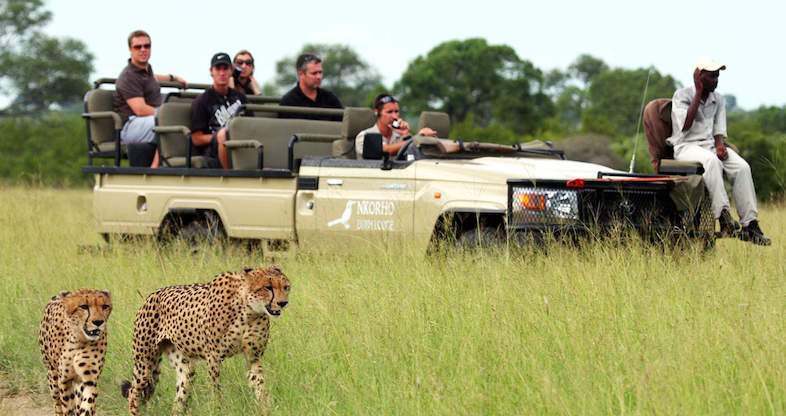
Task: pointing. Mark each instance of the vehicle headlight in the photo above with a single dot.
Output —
(544, 206)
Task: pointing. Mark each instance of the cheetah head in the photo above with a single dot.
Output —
(268, 290)
(88, 311)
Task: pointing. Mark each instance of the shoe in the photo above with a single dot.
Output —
(728, 226)
(754, 234)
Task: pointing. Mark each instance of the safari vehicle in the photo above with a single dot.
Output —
(297, 183)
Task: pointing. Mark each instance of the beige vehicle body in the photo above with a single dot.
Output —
(298, 182)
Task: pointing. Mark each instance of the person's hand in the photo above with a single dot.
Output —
(403, 128)
(720, 150)
(425, 131)
(697, 81)
(181, 80)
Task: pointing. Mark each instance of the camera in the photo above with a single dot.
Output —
(396, 124)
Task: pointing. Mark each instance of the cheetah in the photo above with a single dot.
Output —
(72, 337)
(210, 321)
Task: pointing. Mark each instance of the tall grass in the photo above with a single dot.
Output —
(597, 330)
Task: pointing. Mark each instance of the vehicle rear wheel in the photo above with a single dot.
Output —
(203, 228)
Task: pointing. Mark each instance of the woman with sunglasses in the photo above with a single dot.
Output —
(243, 76)
(394, 130)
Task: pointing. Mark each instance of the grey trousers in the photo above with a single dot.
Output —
(138, 130)
(734, 167)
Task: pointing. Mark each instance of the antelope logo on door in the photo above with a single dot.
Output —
(376, 210)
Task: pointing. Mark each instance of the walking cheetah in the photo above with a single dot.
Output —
(72, 337)
(210, 321)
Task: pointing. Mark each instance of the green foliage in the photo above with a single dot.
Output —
(760, 137)
(47, 150)
(61, 77)
(605, 329)
(19, 19)
(472, 77)
(345, 73)
(587, 67)
(614, 99)
(592, 148)
(40, 71)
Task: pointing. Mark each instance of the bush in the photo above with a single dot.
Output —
(593, 148)
(48, 150)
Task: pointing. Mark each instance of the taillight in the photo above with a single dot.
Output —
(575, 183)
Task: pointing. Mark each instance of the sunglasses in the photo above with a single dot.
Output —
(249, 62)
(387, 99)
(142, 46)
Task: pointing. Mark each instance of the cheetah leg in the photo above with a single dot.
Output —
(54, 390)
(256, 379)
(142, 379)
(67, 389)
(214, 369)
(185, 375)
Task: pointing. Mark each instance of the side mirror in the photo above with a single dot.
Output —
(372, 146)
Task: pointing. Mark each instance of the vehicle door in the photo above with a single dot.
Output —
(358, 200)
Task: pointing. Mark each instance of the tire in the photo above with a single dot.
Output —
(486, 237)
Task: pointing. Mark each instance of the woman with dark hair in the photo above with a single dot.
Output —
(394, 130)
(243, 75)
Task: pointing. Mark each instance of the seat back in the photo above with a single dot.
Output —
(657, 128)
(435, 120)
(100, 130)
(274, 135)
(173, 145)
(356, 119)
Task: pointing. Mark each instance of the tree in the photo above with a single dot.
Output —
(346, 74)
(37, 70)
(471, 77)
(614, 99)
(586, 67)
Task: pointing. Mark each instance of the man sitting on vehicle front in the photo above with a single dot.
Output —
(138, 93)
(698, 119)
(212, 110)
(394, 130)
(307, 91)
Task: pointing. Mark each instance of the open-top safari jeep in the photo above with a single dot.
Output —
(298, 182)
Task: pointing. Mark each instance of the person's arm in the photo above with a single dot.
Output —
(695, 102)
(200, 119)
(140, 108)
(252, 82)
(392, 149)
(171, 78)
(719, 129)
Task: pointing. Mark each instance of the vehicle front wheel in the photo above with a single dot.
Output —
(484, 237)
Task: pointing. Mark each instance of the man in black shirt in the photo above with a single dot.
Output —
(212, 110)
(307, 92)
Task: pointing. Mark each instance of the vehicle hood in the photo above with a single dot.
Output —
(496, 169)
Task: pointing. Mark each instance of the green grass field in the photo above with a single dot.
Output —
(600, 330)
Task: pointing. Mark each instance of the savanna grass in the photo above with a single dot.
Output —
(596, 329)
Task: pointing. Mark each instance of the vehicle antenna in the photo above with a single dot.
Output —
(638, 124)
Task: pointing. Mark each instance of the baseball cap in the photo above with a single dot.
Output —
(220, 58)
(708, 64)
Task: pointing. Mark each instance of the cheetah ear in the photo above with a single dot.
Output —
(247, 270)
(275, 268)
(61, 295)
(106, 293)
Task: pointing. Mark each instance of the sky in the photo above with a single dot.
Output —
(668, 34)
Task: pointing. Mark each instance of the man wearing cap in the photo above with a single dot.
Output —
(307, 91)
(138, 94)
(212, 110)
(698, 120)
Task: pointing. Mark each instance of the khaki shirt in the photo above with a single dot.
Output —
(710, 118)
(393, 139)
